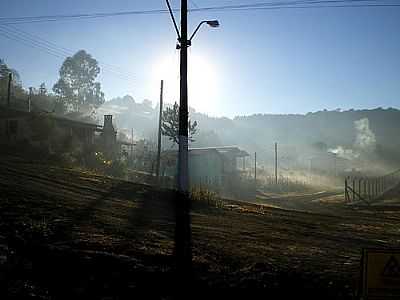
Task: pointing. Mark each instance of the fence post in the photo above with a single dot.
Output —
(365, 188)
(373, 188)
(345, 190)
(384, 183)
(369, 189)
(354, 189)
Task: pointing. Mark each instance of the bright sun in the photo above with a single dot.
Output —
(202, 81)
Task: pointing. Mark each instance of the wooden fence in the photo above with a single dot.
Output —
(367, 189)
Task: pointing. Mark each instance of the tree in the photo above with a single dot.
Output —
(16, 81)
(42, 89)
(170, 124)
(76, 87)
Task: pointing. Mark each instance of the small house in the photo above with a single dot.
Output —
(211, 167)
(54, 132)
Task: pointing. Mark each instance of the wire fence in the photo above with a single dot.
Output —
(367, 189)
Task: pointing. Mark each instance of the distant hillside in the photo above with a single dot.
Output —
(352, 130)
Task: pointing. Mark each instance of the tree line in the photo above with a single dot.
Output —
(75, 91)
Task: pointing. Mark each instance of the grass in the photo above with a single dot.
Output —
(79, 235)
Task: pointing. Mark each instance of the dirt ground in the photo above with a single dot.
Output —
(69, 234)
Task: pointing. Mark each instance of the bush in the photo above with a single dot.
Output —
(100, 164)
(205, 196)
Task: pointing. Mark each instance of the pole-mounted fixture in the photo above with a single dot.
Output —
(211, 23)
(183, 44)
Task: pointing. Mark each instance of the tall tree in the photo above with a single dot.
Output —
(170, 124)
(76, 88)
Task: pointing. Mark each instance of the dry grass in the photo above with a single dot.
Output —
(101, 226)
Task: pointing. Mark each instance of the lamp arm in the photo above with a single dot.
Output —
(197, 29)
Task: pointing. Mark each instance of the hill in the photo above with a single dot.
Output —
(375, 134)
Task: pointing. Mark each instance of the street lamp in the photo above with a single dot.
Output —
(182, 249)
(212, 23)
(183, 44)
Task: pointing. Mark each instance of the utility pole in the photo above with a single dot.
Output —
(255, 169)
(182, 249)
(132, 148)
(159, 132)
(30, 98)
(276, 163)
(9, 89)
(183, 44)
(183, 180)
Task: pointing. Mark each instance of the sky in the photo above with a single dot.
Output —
(271, 61)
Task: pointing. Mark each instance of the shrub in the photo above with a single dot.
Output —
(205, 196)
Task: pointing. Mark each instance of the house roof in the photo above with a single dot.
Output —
(227, 150)
(224, 150)
(6, 112)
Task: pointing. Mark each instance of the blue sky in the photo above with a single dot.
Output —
(279, 61)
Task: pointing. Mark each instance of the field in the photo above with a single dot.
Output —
(67, 234)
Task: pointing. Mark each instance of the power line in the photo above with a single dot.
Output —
(51, 48)
(310, 7)
(66, 51)
(295, 4)
(309, 4)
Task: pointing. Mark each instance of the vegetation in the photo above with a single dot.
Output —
(201, 195)
(170, 124)
(77, 88)
(16, 85)
(97, 162)
(40, 99)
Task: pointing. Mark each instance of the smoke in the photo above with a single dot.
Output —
(365, 139)
(345, 153)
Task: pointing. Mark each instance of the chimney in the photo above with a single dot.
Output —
(108, 122)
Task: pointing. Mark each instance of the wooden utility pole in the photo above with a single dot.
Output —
(9, 89)
(255, 169)
(276, 163)
(131, 147)
(30, 98)
(183, 171)
(182, 250)
(159, 131)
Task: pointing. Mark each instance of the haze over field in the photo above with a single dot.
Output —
(349, 134)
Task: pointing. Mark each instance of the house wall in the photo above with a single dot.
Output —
(206, 169)
(14, 129)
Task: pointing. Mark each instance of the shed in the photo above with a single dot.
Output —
(211, 166)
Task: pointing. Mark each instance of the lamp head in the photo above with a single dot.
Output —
(213, 23)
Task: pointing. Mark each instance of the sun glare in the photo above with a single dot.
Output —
(202, 81)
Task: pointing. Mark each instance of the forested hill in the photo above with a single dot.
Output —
(379, 128)
(331, 127)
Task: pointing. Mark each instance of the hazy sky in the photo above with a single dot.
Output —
(274, 61)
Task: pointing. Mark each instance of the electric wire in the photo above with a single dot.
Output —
(50, 48)
(65, 51)
(276, 5)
